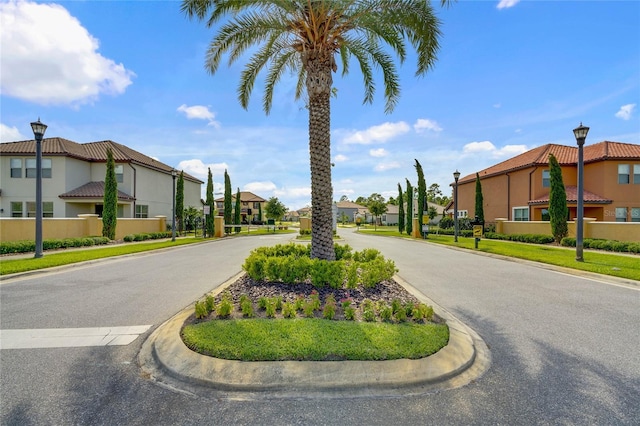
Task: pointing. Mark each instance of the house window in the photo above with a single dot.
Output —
(462, 213)
(635, 214)
(16, 209)
(257, 205)
(621, 214)
(47, 209)
(16, 168)
(142, 211)
(521, 214)
(31, 168)
(636, 173)
(623, 173)
(546, 179)
(119, 169)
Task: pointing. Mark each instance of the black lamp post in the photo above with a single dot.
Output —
(580, 133)
(456, 176)
(174, 173)
(38, 131)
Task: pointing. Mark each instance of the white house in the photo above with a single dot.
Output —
(73, 177)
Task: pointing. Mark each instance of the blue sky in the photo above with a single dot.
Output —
(511, 75)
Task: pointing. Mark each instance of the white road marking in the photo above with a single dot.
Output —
(70, 337)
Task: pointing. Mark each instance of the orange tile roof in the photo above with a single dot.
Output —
(566, 155)
(245, 196)
(93, 190)
(572, 197)
(92, 152)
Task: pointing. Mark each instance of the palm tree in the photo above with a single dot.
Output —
(307, 36)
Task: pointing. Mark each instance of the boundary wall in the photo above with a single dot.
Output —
(619, 231)
(85, 225)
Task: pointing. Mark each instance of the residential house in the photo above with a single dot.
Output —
(348, 211)
(518, 188)
(250, 206)
(73, 177)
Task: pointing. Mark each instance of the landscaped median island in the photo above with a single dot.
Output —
(291, 307)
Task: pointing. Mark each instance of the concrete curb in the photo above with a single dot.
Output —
(164, 353)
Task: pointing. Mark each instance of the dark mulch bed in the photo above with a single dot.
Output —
(385, 291)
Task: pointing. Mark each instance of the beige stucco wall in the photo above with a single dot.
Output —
(16, 229)
(619, 231)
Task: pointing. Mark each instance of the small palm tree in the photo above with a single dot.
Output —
(307, 37)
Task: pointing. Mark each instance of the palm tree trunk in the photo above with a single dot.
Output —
(319, 81)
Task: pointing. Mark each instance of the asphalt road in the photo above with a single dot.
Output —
(564, 349)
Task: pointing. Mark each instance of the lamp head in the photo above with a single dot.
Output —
(456, 175)
(38, 128)
(580, 133)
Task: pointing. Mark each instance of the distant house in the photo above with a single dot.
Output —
(518, 188)
(348, 211)
(73, 177)
(250, 206)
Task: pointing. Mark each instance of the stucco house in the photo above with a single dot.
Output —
(250, 206)
(73, 177)
(518, 189)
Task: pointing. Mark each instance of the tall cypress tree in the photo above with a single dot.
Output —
(209, 202)
(400, 210)
(180, 202)
(558, 210)
(228, 206)
(110, 201)
(409, 214)
(236, 213)
(422, 191)
(479, 200)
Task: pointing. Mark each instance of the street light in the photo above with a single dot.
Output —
(580, 133)
(38, 131)
(174, 173)
(456, 176)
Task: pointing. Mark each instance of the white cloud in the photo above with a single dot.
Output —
(200, 170)
(380, 152)
(505, 4)
(498, 105)
(199, 112)
(49, 58)
(487, 148)
(423, 124)
(377, 134)
(625, 111)
(257, 187)
(11, 134)
(299, 192)
(340, 158)
(383, 167)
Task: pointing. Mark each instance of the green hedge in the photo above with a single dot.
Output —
(521, 238)
(148, 236)
(607, 245)
(27, 246)
(291, 263)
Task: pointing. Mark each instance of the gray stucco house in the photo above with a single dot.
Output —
(73, 177)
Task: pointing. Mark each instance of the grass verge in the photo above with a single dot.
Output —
(60, 258)
(602, 263)
(306, 339)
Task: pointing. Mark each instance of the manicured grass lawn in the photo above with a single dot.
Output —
(306, 339)
(60, 258)
(598, 262)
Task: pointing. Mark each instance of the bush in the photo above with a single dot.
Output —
(291, 263)
(600, 244)
(50, 244)
(521, 238)
(446, 223)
